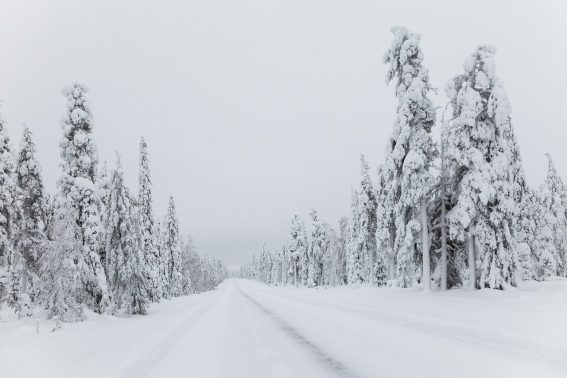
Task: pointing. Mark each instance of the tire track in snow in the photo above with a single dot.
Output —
(488, 339)
(340, 369)
(143, 366)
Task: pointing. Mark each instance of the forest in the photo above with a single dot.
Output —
(441, 214)
(94, 244)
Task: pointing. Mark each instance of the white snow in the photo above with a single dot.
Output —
(246, 329)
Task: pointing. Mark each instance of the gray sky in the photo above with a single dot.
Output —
(256, 109)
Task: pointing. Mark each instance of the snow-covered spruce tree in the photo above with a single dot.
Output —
(285, 262)
(173, 251)
(386, 226)
(331, 258)
(30, 220)
(78, 194)
(317, 251)
(188, 251)
(265, 266)
(163, 263)
(297, 249)
(368, 223)
(10, 258)
(553, 198)
(145, 203)
(102, 183)
(340, 264)
(536, 249)
(478, 158)
(276, 272)
(60, 275)
(136, 297)
(407, 177)
(354, 256)
(125, 267)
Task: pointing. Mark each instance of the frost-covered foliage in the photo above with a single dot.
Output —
(354, 256)
(30, 217)
(406, 175)
(79, 195)
(368, 222)
(297, 248)
(172, 249)
(145, 203)
(478, 154)
(102, 183)
(11, 261)
(317, 251)
(553, 199)
(124, 266)
(60, 274)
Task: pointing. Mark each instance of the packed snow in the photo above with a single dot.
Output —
(248, 329)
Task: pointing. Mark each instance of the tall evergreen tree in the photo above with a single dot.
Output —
(173, 250)
(102, 182)
(297, 248)
(407, 178)
(10, 258)
(354, 256)
(145, 202)
(31, 225)
(136, 297)
(317, 251)
(368, 221)
(164, 257)
(61, 276)
(188, 251)
(553, 197)
(78, 191)
(122, 243)
(478, 154)
(342, 240)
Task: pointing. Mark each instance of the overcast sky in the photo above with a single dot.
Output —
(254, 110)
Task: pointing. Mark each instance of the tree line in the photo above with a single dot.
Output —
(94, 244)
(453, 212)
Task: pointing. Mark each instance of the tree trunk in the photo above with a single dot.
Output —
(426, 274)
(472, 260)
(392, 256)
(443, 222)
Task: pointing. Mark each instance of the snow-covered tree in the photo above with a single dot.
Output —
(60, 275)
(145, 203)
(164, 257)
(102, 183)
(297, 249)
(79, 194)
(125, 267)
(136, 297)
(368, 221)
(553, 198)
(332, 257)
(317, 251)
(10, 258)
(478, 153)
(406, 176)
(354, 256)
(188, 250)
(173, 251)
(30, 219)
(342, 240)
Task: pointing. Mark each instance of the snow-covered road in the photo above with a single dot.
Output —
(245, 329)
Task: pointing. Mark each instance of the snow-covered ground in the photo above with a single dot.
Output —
(245, 329)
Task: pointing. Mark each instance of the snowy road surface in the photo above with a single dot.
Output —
(245, 329)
